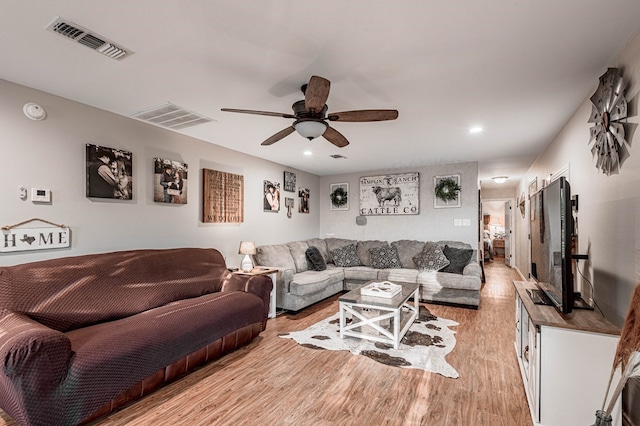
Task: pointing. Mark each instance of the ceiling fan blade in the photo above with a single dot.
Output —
(316, 94)
(280, 135)
(251, 111)
(364, 115)
(335, 137)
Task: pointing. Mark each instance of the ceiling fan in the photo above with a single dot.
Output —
(311, 118)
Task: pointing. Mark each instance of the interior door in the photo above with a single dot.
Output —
(507, 233)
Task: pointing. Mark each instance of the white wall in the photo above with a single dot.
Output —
(430, 225)
(609, 206)
(51, 154)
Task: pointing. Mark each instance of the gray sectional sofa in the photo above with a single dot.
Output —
(298, 286)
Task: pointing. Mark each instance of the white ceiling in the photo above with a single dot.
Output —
(518, 68)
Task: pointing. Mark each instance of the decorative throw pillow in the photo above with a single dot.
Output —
(459, 258)
(384, 257)
(316, 261)
(346, 256)
(431, 258)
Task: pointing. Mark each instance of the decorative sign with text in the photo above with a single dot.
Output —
(390, 194)
(16, 238)
(223, 198)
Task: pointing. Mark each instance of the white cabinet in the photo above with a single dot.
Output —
(565, 361)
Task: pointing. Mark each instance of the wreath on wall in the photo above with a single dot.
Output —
(339, 197)
(447, 189)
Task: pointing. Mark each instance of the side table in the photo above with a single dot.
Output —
(272, 274)
(498, 247)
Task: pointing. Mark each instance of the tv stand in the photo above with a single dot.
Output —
(565, 360)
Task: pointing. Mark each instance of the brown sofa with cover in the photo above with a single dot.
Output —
(82, 335)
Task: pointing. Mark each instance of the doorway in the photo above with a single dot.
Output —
(497, 234)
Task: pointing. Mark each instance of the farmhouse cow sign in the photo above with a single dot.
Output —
(390, 194)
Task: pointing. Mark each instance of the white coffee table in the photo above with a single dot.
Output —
(400, 312)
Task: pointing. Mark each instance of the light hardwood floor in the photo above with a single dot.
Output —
(273, 381)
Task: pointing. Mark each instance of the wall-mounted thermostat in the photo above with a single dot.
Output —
(40, 195)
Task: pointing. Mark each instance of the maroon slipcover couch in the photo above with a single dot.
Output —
(82, 335)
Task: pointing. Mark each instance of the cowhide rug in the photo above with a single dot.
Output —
(425, 345)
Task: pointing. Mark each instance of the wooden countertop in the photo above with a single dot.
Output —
(578, 319)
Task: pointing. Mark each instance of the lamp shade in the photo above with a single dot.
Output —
(500, 179)
(247, 247)
(310, 129)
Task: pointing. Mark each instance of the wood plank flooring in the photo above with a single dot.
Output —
(273, 381)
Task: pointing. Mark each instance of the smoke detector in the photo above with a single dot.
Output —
(90, 39)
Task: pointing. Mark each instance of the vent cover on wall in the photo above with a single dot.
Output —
(170, 116)
(87, 38)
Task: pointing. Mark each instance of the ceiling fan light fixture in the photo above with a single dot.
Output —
(310, 129)
(500, 179)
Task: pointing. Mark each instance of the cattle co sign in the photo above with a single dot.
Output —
(18, 238)
(390, 194)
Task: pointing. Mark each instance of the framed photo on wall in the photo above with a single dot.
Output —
(303, 200)
(169, 181)
(271, 196)
(109, 173)
(289, 181)
(339, 196)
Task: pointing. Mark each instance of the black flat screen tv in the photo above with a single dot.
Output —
(551, 228)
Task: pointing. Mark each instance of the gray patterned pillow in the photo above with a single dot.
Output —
(431, 258)
(346, 256)
(384, 257)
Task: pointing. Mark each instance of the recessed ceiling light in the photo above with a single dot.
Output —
(476, 129)
(307, 153)
(500, 179)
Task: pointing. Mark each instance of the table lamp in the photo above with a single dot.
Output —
(247, 248)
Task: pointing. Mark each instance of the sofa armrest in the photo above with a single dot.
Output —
(28, 347)
(473, 269)
(260, 285)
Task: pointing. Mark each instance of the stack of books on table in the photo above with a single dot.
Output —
(381, 289)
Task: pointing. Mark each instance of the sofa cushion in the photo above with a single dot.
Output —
(407, 249)
(74, 292)
(458, 258)
(334, 243)
(310, 282)
(346, 256)
(439, 280)
(363, 247)
(361, 273)
(321, 245)
(431, 258)
(315, 259)
(384, 257)
(402, 274)
(112, 356)
(278, 256)
(298, 253)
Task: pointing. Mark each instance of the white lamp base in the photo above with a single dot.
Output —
(247, 264)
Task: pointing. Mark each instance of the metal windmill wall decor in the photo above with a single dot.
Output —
(608, 108)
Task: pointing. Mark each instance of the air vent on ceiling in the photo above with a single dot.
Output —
(88, 38)
(170, 116)
(337, 156)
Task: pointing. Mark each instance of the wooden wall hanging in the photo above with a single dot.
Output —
(223, 198)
